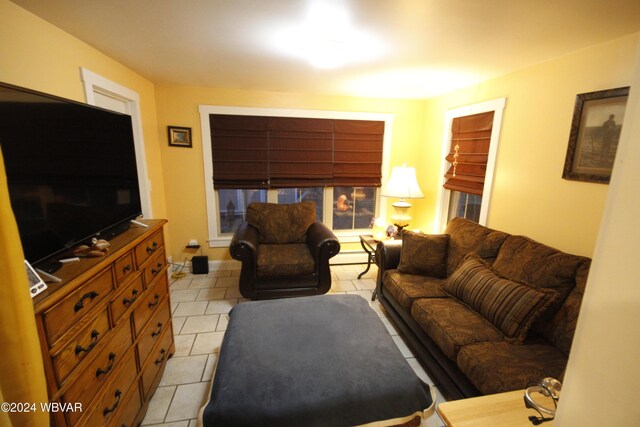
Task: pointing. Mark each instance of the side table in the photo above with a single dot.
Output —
(369, 244)
(503, 409)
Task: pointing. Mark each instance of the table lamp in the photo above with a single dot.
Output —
(402, 185)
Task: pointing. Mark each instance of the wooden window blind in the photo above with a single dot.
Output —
(357, 152)
(300, 152)
(282, 152)
(240, 148)
(470, 140)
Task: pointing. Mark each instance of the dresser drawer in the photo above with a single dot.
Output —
(160, 321)
(156, 361)
(59, 318)
(107, 406)
(80, 346)
(130, 408)
(95, 375)
(154, 267)
(148, 247)
(124, 267)
(148, 306)
(126, 298)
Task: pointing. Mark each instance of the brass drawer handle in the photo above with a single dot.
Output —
(106, 411)
(112, 361)
(159, 269)
(156, 333)
(134, 297)
(80, 304)
(163, 352)
(94, 341)
(153, 248)
(155, 301)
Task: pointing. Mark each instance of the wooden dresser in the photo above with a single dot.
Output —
(106, 331)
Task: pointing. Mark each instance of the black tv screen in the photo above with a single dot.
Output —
(71, 171)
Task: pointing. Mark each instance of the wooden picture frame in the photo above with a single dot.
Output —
(179, 136)
(595, 132)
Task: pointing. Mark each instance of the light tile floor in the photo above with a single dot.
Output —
(200, 306)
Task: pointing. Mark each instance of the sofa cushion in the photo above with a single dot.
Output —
(278, 223)
(452, 325)
(466, 237)
(540, 266)
(496, 367)
(512, 307)
(424, 254)
(562, 327)
(285, 260)
(406, 288)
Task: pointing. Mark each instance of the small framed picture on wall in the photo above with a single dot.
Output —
(179, 136)
(595, 132)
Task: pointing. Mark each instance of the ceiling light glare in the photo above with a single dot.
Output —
(327, 40)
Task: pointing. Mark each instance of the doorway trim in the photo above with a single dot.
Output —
(97, 84)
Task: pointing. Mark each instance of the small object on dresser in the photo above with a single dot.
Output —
(98, 248)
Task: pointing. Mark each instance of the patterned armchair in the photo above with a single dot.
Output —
(284, 251)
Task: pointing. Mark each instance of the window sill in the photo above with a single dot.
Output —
(344, 236)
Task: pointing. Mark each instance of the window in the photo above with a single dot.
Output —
(464, 205)
(286, 156)
(470, 146)
(354, 207)
(233, 207)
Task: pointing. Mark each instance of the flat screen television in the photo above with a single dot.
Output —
(71, 172)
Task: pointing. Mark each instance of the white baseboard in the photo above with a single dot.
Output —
(346, 257)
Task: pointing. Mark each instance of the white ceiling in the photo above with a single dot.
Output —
(427, 47)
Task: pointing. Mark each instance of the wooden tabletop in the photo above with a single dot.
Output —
(504, 409)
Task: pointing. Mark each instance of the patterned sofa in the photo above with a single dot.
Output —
(484, 311)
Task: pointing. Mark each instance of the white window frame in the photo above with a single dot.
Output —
(95, 83)
(216, 240)
(496, 105)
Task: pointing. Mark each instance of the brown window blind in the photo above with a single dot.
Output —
(281, 152)
(357, 152)
(470, 140)
(240, 148)
(300, 152)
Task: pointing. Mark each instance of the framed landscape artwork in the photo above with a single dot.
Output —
(179, 136)
(595, 132)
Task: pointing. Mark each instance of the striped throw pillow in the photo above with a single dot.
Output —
(510, 306)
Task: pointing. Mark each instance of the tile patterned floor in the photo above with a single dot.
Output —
(200, 306)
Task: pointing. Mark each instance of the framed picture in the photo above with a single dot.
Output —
(595, 132)
(179, 136)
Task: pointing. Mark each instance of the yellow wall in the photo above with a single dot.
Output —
(529, 195)
(183, 167)
(39, 56)
(603, 364)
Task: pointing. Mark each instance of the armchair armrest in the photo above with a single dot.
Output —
(322, 241)
(244, 244)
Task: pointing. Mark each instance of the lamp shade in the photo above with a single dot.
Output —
(403, 184)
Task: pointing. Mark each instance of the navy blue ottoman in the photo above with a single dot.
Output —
(312, 361)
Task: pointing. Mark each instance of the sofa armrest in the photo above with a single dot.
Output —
(244, 244)
(322, 242)
(388, 254)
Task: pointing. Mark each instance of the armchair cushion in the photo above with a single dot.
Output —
(285, 260)
(278, 223)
